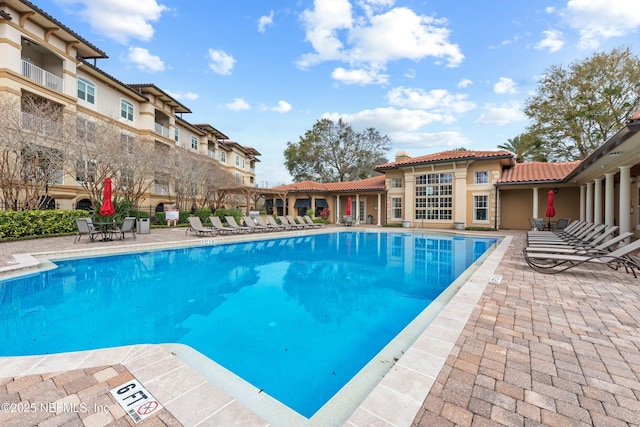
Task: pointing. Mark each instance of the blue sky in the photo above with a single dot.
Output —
(432, 75)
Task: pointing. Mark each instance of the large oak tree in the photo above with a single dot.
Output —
(577, 108)
(335, 152)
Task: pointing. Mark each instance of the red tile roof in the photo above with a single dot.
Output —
(447, 156)
(375, 183)
(537, 171)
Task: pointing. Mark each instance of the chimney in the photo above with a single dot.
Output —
(402, 155)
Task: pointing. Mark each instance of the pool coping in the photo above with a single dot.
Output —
(168, 370)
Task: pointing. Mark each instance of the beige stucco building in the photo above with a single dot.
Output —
(42, 59)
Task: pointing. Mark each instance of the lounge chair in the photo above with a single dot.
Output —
(553, 262)
(125, 227)
(263, 222)
(309, 221)
(217, 224)
(85, 229)
(233, 224)
(284, 225)
(292, 223)
(249, 222)
(580, 249)
(597, 238)
(195, 225)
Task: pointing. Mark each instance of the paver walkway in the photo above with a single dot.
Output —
(552, 350)
(538, 350)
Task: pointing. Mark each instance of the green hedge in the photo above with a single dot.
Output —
(235, 213)
(15, 225)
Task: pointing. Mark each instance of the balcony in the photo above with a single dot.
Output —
(162, 130)
(211, 153)
(42, 77)
(161, 189)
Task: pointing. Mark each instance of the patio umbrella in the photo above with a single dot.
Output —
(348, 211)
(551, 212)
(107, 208)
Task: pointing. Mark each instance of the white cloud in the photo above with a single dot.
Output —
(189, 96)
(439, 100)
(145, 61)
(598, 20)
(419, 142)
(221, 62)
(238, 104)
(505, 86)
(282, 107)
(552, 40)
(387, 120)
(501, 115)
(372, 40)
(464, 83)
(265, 21)
(119, 20)
(359, 76)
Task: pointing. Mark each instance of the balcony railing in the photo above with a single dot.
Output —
(42, 77)
(40, 124)
(211, 154)
(162, 130)
(57, 177)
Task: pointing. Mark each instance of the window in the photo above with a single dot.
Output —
(237, 177)
(223, 157)
(86, 91)
(481, 208)
(396, 182)
(194, 142)
(176, 136)
(481, 177)
(126, 110)
(85, 131)
(396, 208)
(127, 141)
(85, 171)
(237, 160)
(434, 199)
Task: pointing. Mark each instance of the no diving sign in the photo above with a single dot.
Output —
(136, 400)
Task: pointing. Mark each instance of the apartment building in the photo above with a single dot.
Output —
(46, 69)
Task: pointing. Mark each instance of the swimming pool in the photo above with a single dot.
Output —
(296, 317)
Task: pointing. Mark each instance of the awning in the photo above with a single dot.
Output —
(302, 203)
(321, 203)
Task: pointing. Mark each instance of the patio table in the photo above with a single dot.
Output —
(105, 227)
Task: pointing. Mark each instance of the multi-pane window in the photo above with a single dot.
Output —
(396, 182)
(223, 157)
(126, 110)
(85, 170)
(434, 196)
(396, 208)
(481, 177)
(194, 142)
(85, 130)
(481, 208)
(86, 91)
(127, 141)
(237, 160)
(176, 136)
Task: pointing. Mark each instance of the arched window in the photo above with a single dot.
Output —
(86, 91)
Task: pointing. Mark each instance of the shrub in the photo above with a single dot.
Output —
(15, 225)
(235, 213)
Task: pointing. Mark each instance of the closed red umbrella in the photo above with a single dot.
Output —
(107, 208)
(551, 212)
(348, 211)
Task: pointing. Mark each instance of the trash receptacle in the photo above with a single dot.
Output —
(143, 226)
(369, 219)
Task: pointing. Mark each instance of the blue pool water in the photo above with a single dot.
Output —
(296, 317)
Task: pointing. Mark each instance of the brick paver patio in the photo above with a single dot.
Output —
(538, 350)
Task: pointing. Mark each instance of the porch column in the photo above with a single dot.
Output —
(609, 199)
(625, 199)
(582, 202)
(337, 212)
(357, 209)
(379, 209)
(597, 202)
(534, 213)
(589, 202)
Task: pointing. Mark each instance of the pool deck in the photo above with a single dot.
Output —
(512, 348)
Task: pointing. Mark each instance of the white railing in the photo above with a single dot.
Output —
(40, 124)
(57, 177)
(41, 76)
(162, 130)
(211, 154)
